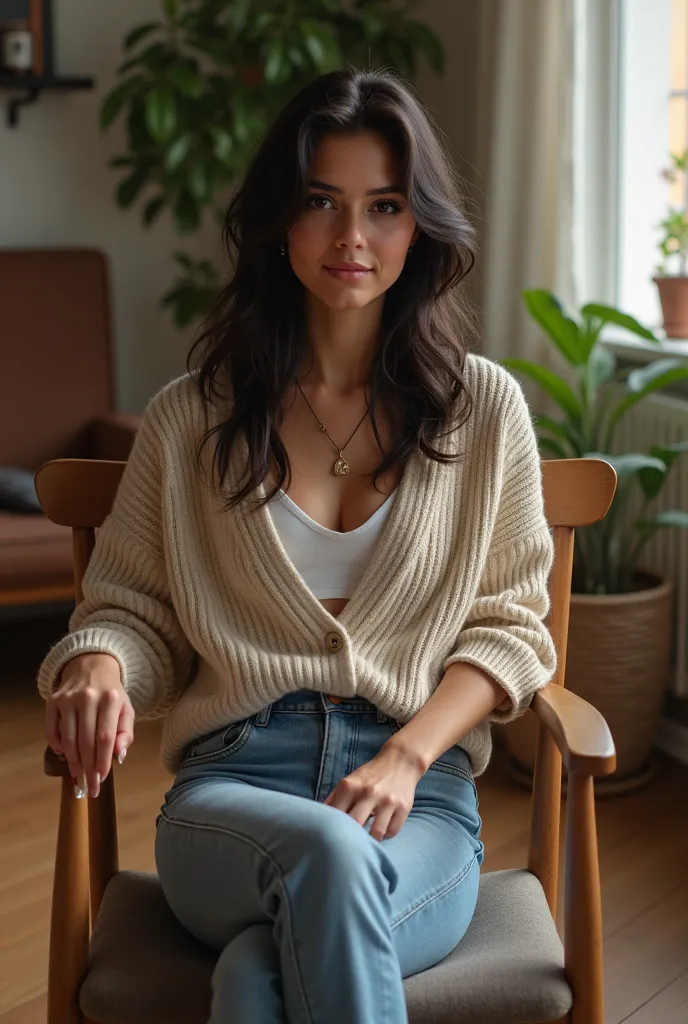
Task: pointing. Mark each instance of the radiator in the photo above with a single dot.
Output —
(663, 419)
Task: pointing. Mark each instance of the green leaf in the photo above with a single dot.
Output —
(171, 8)
(630, 463)
(609, 315)
(139, 33)
(643, 381)
(427, 42)
(128, 189)
(241, 123)
(177, 152)
(547, 311)
(275, 61)
(161, 114)
(223, 144)
(601, 366)
(557, 388)
(186, 213)
(549, 444)
(650, 480)
(321, 44)
(562, 430)
(199, 181)
(184, 260)
(186, 80)
(115, 100)
(121, 161)
(670, 517)
(152, 209)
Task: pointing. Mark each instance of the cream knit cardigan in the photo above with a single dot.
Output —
(210, 620)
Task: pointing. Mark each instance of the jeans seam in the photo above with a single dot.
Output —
(252, 842)
(436, 894)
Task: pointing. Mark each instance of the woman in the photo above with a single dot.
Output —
(329, 659)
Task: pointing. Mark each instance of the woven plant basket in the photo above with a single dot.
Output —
(618, 659)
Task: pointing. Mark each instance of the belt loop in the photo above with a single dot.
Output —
(263, 716)
(381, 716)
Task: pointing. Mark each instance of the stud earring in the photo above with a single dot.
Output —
(282, 249)
(410, 249)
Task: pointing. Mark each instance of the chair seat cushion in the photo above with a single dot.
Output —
(144, 968)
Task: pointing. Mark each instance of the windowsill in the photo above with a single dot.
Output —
(638, 350)
(632, 351)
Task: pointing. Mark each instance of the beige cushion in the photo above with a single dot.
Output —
(144, 968)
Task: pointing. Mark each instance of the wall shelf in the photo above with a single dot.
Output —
(33, 85)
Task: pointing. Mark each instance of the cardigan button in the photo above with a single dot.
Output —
(334, 642)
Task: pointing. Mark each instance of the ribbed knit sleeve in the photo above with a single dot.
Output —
(126, 609)
(504, 633)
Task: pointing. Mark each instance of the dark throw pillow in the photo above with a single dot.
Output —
(17, 490)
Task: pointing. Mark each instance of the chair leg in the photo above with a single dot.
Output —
(583, 905)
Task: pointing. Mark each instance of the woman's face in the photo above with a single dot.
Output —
(355, 213)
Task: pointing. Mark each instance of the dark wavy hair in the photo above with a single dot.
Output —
(255, 336)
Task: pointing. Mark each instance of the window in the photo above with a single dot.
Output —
(652, 121)
(678, 102)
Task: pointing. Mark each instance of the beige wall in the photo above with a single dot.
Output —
(56, 188)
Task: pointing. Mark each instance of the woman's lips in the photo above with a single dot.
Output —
(355, 274)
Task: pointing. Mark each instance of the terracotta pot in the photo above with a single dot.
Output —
(673, 295)
(619, 657)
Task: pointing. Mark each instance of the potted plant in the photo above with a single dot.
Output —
(199, 88)
(620, 631)
(671, 279)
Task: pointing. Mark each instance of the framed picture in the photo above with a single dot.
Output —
(24, 35)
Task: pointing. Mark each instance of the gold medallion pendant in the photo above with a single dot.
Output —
(341, 467)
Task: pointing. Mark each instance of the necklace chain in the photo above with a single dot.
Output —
(341, 466)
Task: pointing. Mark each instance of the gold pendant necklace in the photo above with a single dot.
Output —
(341, 466)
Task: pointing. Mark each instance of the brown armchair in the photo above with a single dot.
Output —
(56, 401)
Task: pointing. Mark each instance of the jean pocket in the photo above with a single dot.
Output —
(220, 744)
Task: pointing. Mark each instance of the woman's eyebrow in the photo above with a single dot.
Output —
(370, 192)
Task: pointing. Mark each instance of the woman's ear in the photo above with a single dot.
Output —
(416, 236)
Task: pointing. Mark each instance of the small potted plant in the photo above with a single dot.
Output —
(671, 279)
(620, 631)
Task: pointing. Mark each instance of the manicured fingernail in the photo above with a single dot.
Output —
(122, 755)
(80, 789)
(93, 793)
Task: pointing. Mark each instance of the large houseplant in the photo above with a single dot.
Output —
(620, 625)
(671, 278)
(199, 87)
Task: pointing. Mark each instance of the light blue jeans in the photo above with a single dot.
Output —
(317, 922)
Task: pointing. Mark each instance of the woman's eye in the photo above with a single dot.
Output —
(392, 206)
(312, 200)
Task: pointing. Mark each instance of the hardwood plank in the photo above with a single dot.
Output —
(647, 954)
(670, 1006)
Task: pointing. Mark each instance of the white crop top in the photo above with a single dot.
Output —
(330, 562)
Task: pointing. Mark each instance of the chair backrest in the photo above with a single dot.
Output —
(56, 350)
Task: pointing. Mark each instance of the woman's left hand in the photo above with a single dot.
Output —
(383, 788)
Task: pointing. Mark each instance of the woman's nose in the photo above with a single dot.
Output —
(350, 233)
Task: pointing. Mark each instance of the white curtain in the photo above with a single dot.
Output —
(526, 101)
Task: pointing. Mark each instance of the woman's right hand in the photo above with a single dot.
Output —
(89, 718)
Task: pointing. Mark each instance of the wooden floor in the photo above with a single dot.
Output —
(643, 840)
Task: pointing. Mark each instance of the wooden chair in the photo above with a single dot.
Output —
(139, 966)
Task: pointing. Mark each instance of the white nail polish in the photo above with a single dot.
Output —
(80, 789)
(122, 754)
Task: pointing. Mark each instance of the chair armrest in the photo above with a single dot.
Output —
(111, 435)
(578, 729)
